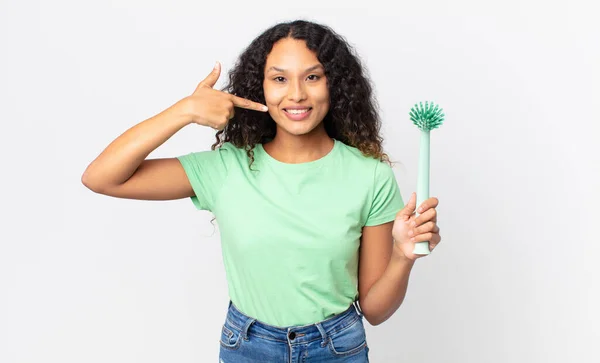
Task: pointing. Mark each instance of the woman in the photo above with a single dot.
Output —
(315, 235)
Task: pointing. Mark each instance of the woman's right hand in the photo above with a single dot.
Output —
(214, 108)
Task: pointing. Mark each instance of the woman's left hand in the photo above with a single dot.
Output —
(409, 229)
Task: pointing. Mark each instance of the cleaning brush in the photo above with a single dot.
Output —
(426, 119)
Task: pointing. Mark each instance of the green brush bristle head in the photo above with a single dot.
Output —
(426, 118)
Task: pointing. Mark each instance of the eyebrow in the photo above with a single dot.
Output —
(283, 70)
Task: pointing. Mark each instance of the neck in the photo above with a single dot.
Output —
(294, 149)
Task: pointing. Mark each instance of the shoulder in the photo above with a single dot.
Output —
(353, 155)
(227, 150)
(221, 156)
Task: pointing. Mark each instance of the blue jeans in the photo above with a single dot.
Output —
(340, 338)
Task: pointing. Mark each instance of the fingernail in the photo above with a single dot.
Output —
(265, 108)
(410, 233)
(414, 223)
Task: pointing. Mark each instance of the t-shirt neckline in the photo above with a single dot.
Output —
(299, 166)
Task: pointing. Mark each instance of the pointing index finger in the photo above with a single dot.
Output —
(250, 105)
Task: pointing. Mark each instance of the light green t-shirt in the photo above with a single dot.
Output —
(290, 233)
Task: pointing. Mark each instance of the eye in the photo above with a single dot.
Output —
(315, 77)
(277, 79)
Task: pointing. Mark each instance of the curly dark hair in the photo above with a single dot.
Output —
(353, 113)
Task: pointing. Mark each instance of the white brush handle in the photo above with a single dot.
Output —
(422, 248)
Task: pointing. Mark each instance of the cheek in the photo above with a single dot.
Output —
(322, 97)
(320, 93)
(273, 96)
(270, 99)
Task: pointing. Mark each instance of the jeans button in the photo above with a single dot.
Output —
(292, 335)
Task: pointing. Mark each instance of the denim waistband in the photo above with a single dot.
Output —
(292, 334)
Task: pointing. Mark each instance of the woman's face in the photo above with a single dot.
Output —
(295, 87)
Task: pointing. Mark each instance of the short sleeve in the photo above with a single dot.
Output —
(387, 200)
(206, 171)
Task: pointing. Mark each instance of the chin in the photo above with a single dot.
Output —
(298, 129)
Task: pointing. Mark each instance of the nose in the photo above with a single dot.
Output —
(297, 91)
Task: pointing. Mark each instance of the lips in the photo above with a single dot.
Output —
(297, 108)
(297, 116)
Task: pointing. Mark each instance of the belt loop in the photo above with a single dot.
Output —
(357, 307)
(323, 334)
(246, 327)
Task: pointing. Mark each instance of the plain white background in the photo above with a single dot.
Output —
(516, 167)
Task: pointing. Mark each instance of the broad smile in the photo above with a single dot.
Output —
(297, 114)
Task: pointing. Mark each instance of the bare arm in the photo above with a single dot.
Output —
(122, 171)
(382, 275)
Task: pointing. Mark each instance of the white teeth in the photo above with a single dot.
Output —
(297, 112)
